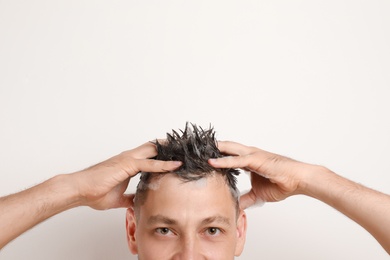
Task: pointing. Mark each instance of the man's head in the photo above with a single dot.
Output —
(192, 213)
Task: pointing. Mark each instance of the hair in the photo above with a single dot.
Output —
(193, 147)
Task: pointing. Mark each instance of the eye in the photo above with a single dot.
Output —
(213, 231)
(164, 231)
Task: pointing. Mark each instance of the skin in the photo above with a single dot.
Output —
(187, 220)
(274, 178)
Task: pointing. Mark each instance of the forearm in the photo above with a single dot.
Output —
(369, 208)
(21, 211)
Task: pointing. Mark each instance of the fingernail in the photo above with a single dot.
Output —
(177, 163)
(212, 160)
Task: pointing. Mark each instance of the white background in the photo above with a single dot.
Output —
(81, 81)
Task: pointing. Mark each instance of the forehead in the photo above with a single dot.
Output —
(171, 196)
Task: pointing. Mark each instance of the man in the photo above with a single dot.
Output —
(189, 229)
(192, 213)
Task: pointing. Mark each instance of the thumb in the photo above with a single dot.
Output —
(247, 200)
(126, 201)
(250, 199)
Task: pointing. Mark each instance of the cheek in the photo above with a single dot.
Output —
(219, 248)
(151, 248)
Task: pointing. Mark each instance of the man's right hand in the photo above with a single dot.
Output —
(102, 186)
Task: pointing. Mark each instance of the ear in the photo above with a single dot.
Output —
(241, 233)
(131, 226)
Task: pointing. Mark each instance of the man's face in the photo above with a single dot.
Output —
(187, 220)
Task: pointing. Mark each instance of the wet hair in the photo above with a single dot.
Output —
(193, 147)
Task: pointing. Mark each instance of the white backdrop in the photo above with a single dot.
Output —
(81, 81)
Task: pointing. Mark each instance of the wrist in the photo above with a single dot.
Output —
(65, 191)
(313, 180)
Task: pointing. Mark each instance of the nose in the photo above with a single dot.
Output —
(188, 249)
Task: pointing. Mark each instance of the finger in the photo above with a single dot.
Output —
(233, 148)
(229, 162)
(147, 150)
(150, 165)
(247, 200)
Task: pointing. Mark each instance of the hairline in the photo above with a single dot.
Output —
(143, 191)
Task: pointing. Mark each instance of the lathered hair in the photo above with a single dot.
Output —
(193, 146)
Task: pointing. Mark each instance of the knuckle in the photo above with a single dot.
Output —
(253, 149)
(133, 166)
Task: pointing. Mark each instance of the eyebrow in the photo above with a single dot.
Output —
(216, 219)
(161, 219)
